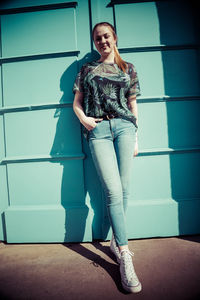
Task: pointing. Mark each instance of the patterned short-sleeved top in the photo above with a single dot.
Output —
(106, 89)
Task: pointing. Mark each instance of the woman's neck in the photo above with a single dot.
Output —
(108, 59)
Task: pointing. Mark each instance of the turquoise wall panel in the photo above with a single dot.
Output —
(83, 31)
(154, 173)
(166, 124)
(35, 224)
(163, 218)
(38, 32)
(158, 71)
(46, 183)
(150, 72)
(185, 174)
(137, 25)
(177, 24)
(41, 81)
(153, 219)
(101, 11)
(184, 63)
(48, 197)
(42, 132)
(153, 127)
(47, 224)
(173, 176)
(183, 123)
(142, 24)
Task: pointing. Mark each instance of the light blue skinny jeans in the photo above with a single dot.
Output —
(112, 144)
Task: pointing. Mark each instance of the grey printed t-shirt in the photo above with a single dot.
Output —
(106, 89)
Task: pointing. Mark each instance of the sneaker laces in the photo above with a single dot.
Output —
(127, 265)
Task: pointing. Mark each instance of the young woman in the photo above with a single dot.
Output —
(105, 103)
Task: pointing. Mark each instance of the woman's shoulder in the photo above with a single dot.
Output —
(87, 66)
(130, 67)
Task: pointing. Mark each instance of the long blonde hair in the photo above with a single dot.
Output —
(119, 61)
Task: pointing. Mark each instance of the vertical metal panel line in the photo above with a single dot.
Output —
(90, 22)
(4, 130)
(114, 19)
(75, 27)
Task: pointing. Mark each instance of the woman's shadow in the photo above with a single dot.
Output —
(80, 184)
(97, 261)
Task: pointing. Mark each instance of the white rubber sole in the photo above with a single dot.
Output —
(132, 289)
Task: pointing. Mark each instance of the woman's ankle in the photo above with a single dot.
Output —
(122, 248)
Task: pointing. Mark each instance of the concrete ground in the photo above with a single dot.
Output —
(169, 268)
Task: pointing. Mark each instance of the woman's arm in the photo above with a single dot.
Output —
(88, 122)
(132, 104)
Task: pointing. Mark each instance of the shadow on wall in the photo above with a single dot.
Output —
(181, 79)
(73, 179)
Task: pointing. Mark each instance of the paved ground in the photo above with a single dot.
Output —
(169, 268)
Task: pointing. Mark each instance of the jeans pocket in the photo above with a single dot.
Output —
(128, 122)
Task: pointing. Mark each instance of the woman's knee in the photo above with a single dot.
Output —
(114, 195)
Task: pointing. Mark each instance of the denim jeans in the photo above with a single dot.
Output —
(111, 144)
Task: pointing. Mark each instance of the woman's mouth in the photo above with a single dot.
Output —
(104, 47)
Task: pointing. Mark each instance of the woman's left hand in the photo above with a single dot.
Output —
(136, 148)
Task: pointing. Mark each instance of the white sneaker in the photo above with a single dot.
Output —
(129, 279)
(114, 249)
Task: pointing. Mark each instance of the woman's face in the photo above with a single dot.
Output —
(104, 40)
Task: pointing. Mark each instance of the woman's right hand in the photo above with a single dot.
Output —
(90, 123)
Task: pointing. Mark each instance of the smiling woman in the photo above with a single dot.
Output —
(105, 103)
(105, 40)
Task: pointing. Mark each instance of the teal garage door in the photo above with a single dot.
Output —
(49, 190)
